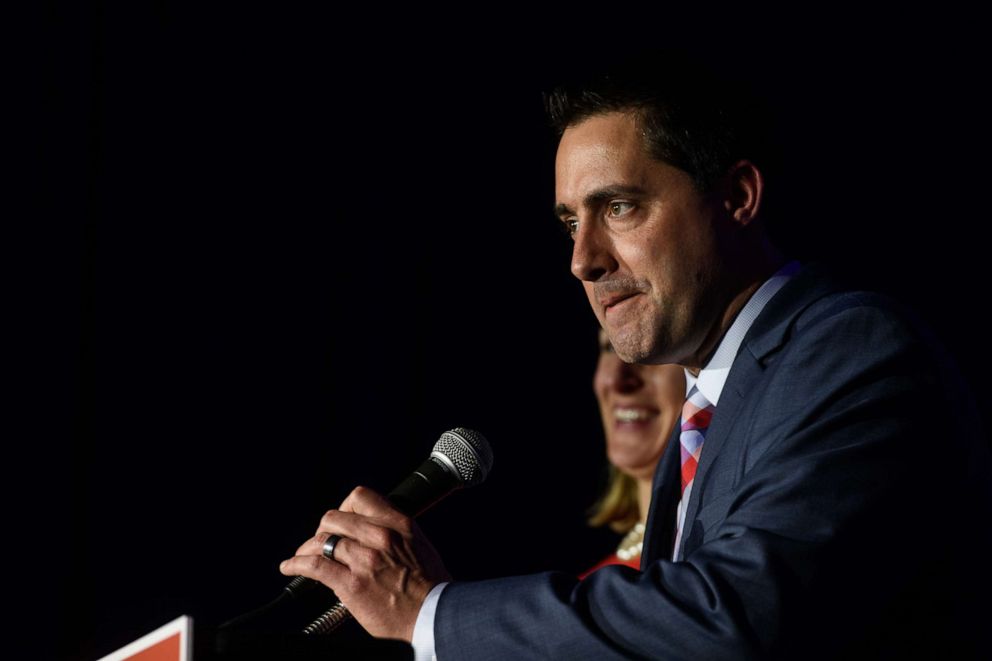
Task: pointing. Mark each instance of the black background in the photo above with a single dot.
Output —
(277, 253)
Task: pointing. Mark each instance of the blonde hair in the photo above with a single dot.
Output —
(618, 507)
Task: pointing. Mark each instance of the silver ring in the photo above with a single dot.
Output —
(329, 545)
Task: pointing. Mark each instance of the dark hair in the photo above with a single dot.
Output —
(693, 117)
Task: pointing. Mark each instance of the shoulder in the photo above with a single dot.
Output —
(868, 310)
(858, 340)
(822, 316)
(829, 356)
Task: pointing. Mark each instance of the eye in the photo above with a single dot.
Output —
(571, 226)
(616, 209)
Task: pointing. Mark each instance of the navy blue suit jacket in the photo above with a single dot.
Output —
(841, 509)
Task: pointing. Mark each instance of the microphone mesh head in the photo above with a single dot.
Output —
(468, 451)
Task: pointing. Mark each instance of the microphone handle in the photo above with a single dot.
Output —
(424, 487)
(434, 479)
(418, 492)
(431, 482)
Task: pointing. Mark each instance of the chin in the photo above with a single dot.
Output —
(638, 465)
(629, 352)
(627, 356)
(638, 472)
(633, 347)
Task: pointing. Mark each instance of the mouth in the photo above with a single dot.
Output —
(613, 301)
(633, 415)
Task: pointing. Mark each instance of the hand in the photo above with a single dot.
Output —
(383, 565)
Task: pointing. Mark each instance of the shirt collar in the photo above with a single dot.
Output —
(713, 375)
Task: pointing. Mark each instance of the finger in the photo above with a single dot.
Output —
(314, 545)
(319, 568)
(350, 553)
(368, 503)
(373, 533)
(347, 552)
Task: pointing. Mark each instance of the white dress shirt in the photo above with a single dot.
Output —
(710, 383)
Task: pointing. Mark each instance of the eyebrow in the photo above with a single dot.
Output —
(599, 196)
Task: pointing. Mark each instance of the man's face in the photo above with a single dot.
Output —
(646, 244)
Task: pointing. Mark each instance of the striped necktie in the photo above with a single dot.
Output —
(696, 415)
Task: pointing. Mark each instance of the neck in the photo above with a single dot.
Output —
(745, 280)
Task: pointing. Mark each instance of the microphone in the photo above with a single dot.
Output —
(460, 458)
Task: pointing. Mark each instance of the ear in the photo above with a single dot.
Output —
(742, 195)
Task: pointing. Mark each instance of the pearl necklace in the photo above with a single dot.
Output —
(632, 543)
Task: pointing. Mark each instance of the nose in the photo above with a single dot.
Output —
(591, 253)
(623, 377)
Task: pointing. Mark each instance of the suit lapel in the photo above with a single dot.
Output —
(744, 372)
(716, 470)
(660, 528)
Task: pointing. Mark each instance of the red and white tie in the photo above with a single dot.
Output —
(696, 415)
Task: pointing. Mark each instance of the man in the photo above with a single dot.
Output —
(828, 494)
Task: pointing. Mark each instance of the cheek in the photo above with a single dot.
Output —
(599, 381)
(674, 387)
(668, 387)
(634, 254)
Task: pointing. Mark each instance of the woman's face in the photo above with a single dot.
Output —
(639, 405)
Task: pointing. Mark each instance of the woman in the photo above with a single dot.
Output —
(639, 405)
